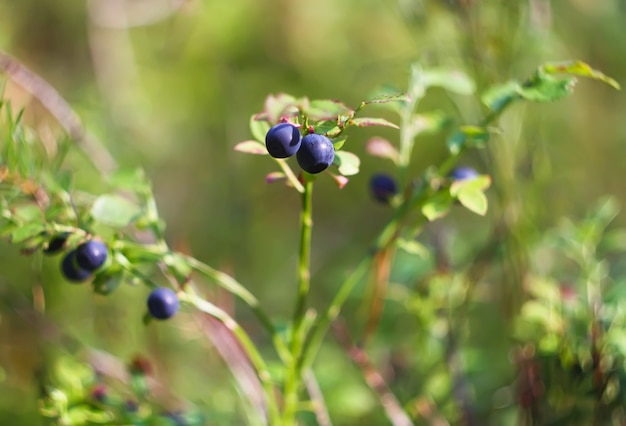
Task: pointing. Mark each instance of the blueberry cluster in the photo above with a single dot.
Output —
(314, 152)
(80, 264)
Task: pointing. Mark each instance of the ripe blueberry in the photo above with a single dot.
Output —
(315, 154)
(71, 270)
(383, 187)
(91, 255)
(283, 140)
(56, 243)
(162, 303)
(463, 172)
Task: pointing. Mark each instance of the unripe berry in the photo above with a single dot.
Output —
(463, 172)
(56, 243)
(283, 140)
(71, 270)
(316, 153)
(163, 303)
(91, 255)
(383, 187)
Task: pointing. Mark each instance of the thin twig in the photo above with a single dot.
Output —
(319, 406)
(394, 411)
(60, 109)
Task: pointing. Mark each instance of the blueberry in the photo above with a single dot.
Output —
(163, 303)
(71, 270)
(91, 255)
(315, 154)
(56, 243)
(283, 140)
(383, 187)
(463, 172)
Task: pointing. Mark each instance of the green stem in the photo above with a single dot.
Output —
(246, 343)
(304, 265)
(301, 321)
(291, 177)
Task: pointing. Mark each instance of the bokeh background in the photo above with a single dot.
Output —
(170, 85)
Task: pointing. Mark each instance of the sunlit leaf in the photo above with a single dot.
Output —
(578, 68)
(326, 109)
(368, 121)
(452, 80)
(251, 147)
(347, 162)
(259, 128)
(437, 206)
(545, 88)
(113, 210)
(497, 97)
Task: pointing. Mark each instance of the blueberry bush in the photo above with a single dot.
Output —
(179, 248)
(567, 342)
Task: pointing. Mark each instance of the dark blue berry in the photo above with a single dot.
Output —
(91, 255)
(283, 140)
(71, 270)
(463, 172)
(315, 154)
(57, 243)
(163, 303)
(383, 187)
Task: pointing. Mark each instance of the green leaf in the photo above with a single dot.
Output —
(347, 162)
(23, 233)
(326, 109)
(251, 147)
(413, 247)
(474, 200)
(470, 193)
(580, 69)
(259, 128)
(382, 148)
(338, 144)
(437, 206)
(367, 121)
(429, 123)
(545, 88)
(134, 180)
(473, 136)
(498, 97)
(280, 105)
(113, 210)
(452, 80)
(387, 97)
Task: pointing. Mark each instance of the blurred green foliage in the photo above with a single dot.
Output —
(173, 90)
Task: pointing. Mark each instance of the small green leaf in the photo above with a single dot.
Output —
(498, 97)
(134, 180)
(388, 97)
(470, 193)
(367, 121)
(578, 68)
(251, 147)
(23, 233)
(280, 105)
(437, 206)
(113, 210)
(382, 148)
(338, 144)
(259, 128)
(452, 80)
(413, 247)
(429, 123)
(545, 88)
(347, 162)
(325, 109)
(473, 136)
